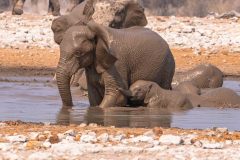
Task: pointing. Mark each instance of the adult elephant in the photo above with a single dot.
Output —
(112, 58)
(54, 6)
(124, 15)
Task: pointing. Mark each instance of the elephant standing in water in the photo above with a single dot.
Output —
(54, 6)
(112, 58)
(129, 14)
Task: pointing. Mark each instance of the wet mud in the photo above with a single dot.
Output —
(34, 99)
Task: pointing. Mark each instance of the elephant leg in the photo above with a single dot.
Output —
(169, 66)
(54, 7)
(34, 4)
(17, 7)
(95, 90)
(112, 96)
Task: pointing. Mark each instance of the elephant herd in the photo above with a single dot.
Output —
(126, 64)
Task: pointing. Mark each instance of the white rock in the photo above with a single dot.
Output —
(149, 133)
(103, 137)
(187, 139)
(212, 145)
(5, 147)
(221, 130)
(17, 138)
(3, 124)
(33, 135)
(61, 136)
(92, 125)
(170, 139)
(39, 156)
(11, 156)
(47, 144)
(83, 125)
(88, 138)
(236, 142)
(142, 138)
(70, 132)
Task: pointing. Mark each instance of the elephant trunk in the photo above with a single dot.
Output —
(63, 83)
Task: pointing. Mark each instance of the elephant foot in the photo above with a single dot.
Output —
(56, 14)
(17, 11)
(113, 101)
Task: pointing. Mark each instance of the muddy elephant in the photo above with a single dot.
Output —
(151, 95)
(216, 97)
(202, 76)
(54, 6)
(112, 58)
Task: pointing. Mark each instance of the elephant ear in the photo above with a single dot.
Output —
(89, 10)
(104, 58)
(148, 94)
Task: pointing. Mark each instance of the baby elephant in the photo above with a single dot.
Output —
(152, 95)
(202, 76)
(216, 97)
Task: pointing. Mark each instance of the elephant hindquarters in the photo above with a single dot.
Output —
(168, 70)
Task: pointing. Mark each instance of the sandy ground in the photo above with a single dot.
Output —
(20, 140)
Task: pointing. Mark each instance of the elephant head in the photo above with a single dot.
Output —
(81, 13)
(138, 91)
(77, 50)
(132, 14)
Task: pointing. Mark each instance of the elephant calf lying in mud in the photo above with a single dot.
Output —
(152, 95)
(202, 76)
(217, 97)
(185, 96)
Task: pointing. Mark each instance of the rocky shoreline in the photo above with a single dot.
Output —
(203, 35)
(20, 140)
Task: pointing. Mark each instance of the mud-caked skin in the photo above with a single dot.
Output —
(202, 76)
(214, 97)
(54, 6)
(218, 97)
(187, 88)
(113, 58)
(153, 96)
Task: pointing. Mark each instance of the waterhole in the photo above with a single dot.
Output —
(37, 100)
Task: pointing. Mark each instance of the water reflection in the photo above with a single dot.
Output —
(117, 116)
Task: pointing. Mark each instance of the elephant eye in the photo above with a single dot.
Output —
(77, 54)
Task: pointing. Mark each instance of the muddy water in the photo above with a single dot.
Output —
(33, 100)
